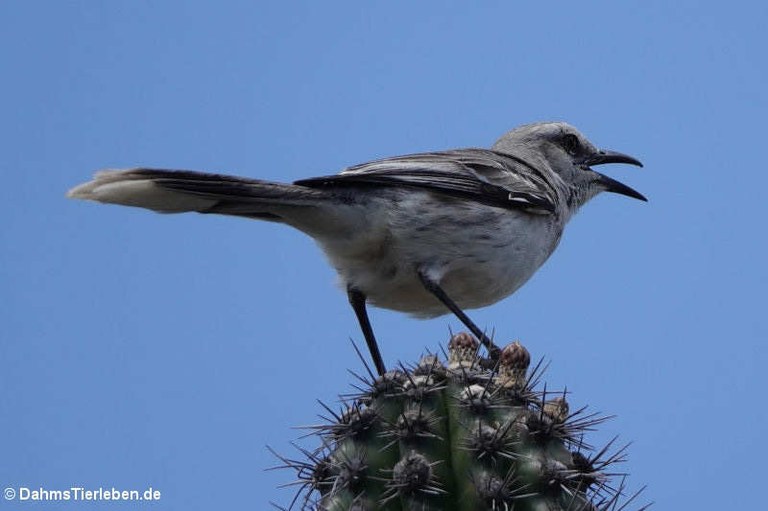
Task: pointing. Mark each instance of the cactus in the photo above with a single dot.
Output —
(466, 435)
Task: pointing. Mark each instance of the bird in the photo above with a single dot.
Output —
(425, 234)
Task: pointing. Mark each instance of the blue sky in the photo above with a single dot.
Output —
(144, 350)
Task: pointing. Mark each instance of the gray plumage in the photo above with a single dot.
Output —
(475, 222)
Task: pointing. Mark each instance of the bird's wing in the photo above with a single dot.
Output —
(480, 175)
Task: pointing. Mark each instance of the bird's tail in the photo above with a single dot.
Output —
(178, 191)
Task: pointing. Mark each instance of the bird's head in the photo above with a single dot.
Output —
(560, 148)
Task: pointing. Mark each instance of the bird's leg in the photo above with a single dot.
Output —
(434, 288)
(357, 300)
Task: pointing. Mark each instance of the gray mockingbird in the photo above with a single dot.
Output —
(423, 234)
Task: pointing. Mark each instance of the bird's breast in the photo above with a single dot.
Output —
(477, 253)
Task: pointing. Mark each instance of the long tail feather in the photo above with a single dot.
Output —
(177, 191)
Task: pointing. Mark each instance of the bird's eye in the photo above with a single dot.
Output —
(571, 143)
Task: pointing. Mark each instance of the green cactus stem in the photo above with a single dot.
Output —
(458, 436)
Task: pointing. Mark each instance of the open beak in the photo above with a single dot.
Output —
(611, 185)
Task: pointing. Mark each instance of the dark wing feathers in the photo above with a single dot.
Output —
(480, 175)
